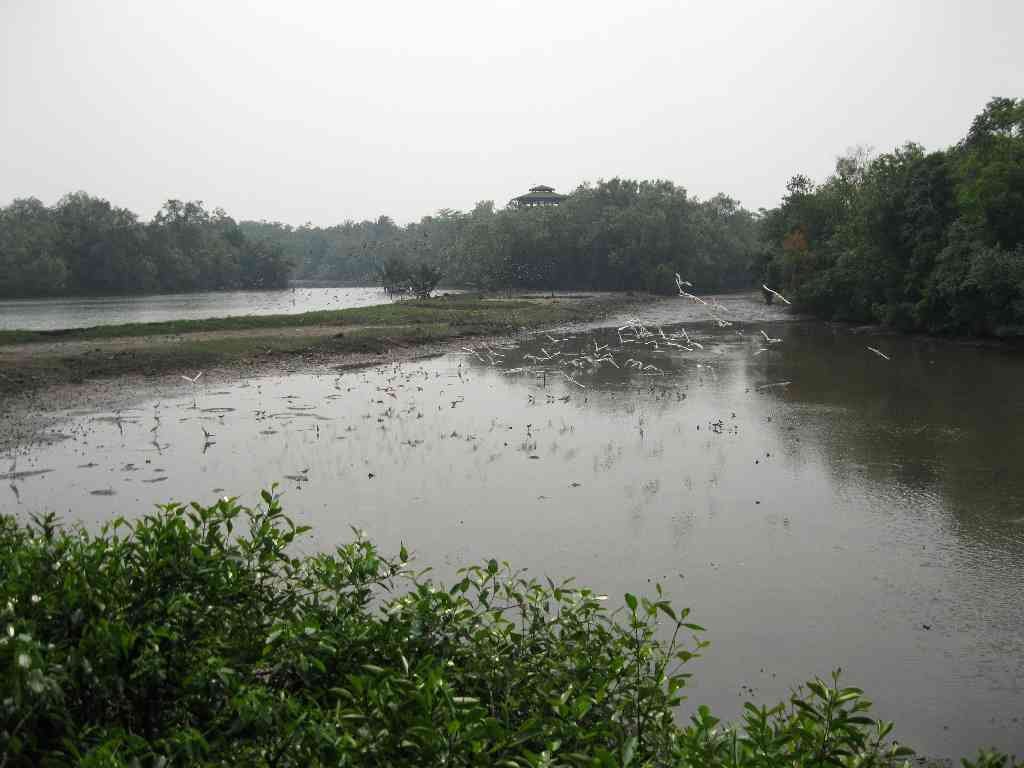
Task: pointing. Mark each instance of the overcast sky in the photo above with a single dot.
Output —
(297, 111)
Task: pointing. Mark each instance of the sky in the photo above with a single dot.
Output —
(325, 111)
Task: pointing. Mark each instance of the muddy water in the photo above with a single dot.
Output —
(83, 312)
(868, 514)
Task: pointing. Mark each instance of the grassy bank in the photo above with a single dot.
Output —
(29, 359)
(462, 310)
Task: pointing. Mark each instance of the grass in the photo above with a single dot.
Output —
(455, 310)
(177, 345)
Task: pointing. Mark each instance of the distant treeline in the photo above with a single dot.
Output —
(921, 241)
(84, 245)
(917, 240)
(614, 235)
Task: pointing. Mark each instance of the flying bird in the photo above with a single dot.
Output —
(680, 283)
(776, 293)
(573, 381)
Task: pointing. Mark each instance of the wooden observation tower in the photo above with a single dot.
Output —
(539, 195)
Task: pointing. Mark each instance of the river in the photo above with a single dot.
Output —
(84, 312)
(815, 504)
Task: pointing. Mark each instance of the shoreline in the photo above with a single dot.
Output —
(33, 361)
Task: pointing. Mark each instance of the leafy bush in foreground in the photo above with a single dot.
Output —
(193, 636)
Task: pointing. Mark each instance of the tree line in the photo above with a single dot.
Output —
(84, 245)
(929, 241)
(618, 234)
(922, 241)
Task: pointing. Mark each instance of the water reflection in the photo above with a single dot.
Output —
(866, 514)
(85, 311)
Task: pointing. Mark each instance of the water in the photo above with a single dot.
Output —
(83, 312)
(867, 515)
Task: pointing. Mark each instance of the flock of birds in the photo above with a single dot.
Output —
(557, 358)
(633, 348)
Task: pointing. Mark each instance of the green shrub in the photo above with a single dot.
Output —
(194, 636)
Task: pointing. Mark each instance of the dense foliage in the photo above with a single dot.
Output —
(615, 235)
(84, 245)
(194, 636)
(919, 240)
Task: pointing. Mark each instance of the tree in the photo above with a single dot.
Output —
(917, 240)
(395, 275)
(29, 263)
(423, 279)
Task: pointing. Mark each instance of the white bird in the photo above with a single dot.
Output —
(776, 293)
(880, 354)
(571, 379)
(680, 283)
(690, 341)
(769, 339)
(193, 379)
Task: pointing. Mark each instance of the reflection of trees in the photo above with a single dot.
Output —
(938, 415)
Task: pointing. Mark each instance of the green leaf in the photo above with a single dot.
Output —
(628, 751)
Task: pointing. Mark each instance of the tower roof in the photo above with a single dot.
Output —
(539, 195)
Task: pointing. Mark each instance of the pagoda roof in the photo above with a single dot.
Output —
(539, 195)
